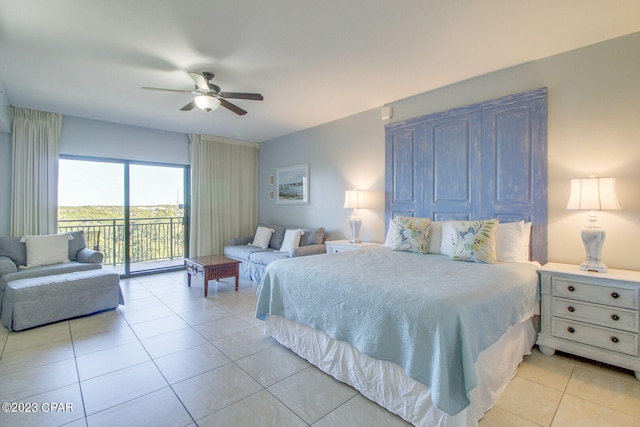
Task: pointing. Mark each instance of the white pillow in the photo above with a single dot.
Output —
(47, 249)
(392, 231)
(509, 241)
(512, 241)
(291, 240)
(526, 241)
(449, 238)
(262, 237)
(435, 237)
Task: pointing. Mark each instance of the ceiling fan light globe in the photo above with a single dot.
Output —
(207, 103)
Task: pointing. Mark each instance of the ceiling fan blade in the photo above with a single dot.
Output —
(190, 106)
(200, 81)
(240, 95)
(226, 104)
(167, 90)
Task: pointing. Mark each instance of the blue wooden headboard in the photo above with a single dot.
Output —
(486, 160)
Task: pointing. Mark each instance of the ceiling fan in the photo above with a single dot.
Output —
(209, 96)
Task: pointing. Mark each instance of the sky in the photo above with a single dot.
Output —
(82, 183)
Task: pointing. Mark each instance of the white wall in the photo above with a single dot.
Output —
(342, 155)
(594, 127)
(593, 124)
(93, 138)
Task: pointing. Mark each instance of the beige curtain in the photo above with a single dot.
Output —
(224, 202)
(36, 148)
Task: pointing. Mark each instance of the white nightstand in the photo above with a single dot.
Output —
(345, 245)
(594, 315)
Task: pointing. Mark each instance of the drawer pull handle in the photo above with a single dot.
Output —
(571, 330)
(571, 288)
(614, 339)
(571, 309)
(615, 295)
(615, 317)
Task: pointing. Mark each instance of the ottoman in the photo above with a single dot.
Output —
(41, 300)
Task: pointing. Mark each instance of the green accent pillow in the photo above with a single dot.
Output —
(412, 234)
(475, 241)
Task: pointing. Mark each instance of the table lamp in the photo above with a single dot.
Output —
(354, 199)
(593, 194)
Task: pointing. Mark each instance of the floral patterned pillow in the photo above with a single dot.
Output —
(475, 241)
(412, 234)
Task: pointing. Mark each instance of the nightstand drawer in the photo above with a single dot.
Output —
(610, 317)
(619, 341)
(609, 295)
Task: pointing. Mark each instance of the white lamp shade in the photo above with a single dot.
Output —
(207, 103)
(354, 199)
(593, 194)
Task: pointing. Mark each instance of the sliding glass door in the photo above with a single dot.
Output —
(132, 212)
(156, 217)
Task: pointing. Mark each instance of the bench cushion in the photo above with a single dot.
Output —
(36, 301)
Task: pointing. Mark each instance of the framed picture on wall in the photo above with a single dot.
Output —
(292, 184)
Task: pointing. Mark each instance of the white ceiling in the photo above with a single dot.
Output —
(314, 61)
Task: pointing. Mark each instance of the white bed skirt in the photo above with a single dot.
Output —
(387, 384)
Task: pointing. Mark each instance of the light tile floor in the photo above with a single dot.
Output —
(170, 357)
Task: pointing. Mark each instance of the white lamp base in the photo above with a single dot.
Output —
(593, 239)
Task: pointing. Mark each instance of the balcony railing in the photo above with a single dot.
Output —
(152, 239)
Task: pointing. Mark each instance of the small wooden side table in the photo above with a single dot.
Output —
(211, 267)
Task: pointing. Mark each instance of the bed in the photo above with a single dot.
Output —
(412, 324)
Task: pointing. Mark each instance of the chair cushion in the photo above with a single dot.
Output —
(14, 249)
(277, 237)
(312, 236)
(76, 244)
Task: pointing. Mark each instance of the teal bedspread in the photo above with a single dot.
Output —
(428, 314)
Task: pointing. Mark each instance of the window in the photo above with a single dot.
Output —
(133, 212)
